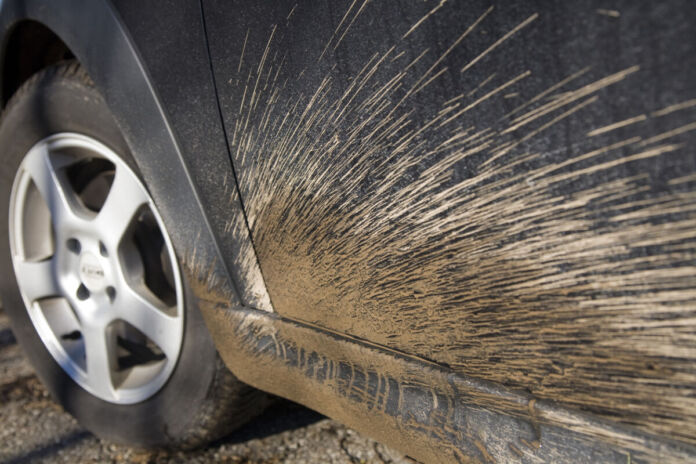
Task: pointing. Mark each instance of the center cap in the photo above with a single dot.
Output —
(91, 272)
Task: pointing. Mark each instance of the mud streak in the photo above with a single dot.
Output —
(558, 274)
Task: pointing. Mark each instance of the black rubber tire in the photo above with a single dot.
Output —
(202, 400)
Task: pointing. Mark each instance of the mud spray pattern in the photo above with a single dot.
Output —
(513, 274)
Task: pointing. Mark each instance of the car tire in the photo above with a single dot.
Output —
(198, 399)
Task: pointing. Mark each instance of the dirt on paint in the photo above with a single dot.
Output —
(565, 270)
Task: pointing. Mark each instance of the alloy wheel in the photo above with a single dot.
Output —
(95, 268)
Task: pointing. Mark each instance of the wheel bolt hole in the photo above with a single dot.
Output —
(74, 245)
(102, 250)
(111, 292)
(74, 335)
(82, 293)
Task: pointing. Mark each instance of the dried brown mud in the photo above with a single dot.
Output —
(564, 270)
(423, 410)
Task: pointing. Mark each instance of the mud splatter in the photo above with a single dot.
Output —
(424, 18)
(560, 271)
(420, 408)
(610, 13)
(617, 125)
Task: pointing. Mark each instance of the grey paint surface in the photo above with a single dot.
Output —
(331, 273)
(505, 190)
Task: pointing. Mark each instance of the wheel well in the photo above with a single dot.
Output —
(30, 47)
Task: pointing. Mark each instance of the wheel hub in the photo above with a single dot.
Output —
(91, 272)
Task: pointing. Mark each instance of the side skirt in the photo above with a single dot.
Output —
(418, 407)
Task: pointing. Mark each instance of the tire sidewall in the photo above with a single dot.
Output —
(56, 102)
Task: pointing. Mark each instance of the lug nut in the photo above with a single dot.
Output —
(74, 245)
(111, 292)
(82, 292)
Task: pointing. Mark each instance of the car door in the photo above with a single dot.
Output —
(504, 190)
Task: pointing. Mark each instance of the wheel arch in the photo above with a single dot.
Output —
(35, 34)
(28, 47)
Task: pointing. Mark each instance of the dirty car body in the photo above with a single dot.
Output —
(465, 229)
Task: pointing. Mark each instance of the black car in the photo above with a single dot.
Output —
(467, 230)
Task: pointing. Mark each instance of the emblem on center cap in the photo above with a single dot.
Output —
(91, 272)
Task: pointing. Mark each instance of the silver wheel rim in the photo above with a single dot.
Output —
(96, 268)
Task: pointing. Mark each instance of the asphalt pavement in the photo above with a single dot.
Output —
(33, 428)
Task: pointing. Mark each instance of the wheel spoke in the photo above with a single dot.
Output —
(42, 171)
(37, 279)
(101, 361)
(125, 198)
(144, 312)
